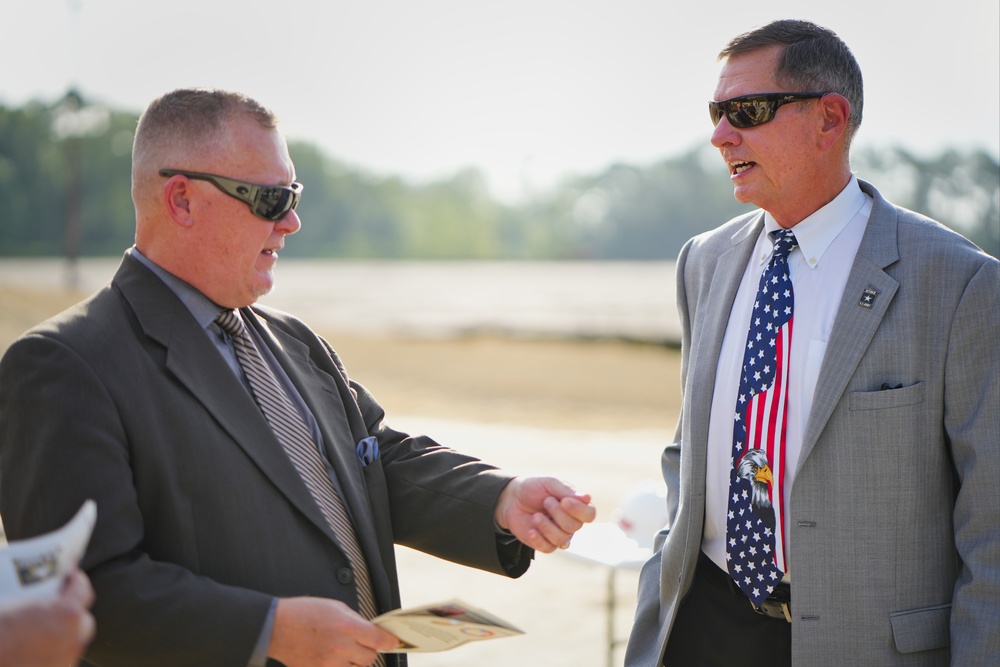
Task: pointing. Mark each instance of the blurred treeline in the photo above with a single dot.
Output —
(66, 162)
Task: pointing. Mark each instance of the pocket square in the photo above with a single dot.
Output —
(368, 451)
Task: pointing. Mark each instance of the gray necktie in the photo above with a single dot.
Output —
(294, 436)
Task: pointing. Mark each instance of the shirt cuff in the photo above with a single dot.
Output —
(259, 656)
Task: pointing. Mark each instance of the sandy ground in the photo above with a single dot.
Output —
(595, 413)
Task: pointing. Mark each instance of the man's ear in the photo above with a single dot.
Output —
(836, 112)
(177, 198)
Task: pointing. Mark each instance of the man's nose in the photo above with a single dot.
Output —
(289, 224)
(725, 134)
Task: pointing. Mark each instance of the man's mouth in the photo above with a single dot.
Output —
(737, 168)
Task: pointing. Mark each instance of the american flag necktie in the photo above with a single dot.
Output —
(754, 526)
(293, 434)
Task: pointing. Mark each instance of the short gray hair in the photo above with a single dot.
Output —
(188, 120)
(193, 117)
(814, 59)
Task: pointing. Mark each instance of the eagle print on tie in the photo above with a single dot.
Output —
(754, 526)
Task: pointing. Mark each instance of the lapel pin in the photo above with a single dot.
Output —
(868, 297)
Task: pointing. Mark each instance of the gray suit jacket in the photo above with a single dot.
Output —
(202, 518)
(895, 507)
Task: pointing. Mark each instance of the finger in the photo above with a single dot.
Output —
(563, 492)
(550, 535)
(560, 489)
(561, 517)
(385, 640)
(362, 657)
(377, 638)
(86, 629)
(361, 651)
(77, 587)
(583, 512)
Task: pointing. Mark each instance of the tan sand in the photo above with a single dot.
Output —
(596, 413)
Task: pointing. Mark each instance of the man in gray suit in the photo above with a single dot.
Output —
(249, 492)
(844, 511)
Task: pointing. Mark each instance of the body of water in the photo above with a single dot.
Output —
(627, 300)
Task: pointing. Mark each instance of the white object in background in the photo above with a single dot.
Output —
(643, 513)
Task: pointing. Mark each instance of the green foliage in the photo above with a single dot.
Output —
(648, 213)
(623, 213)
(38, 146)
(959, 190)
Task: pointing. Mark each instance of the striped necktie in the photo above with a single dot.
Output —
(754, 528)
(294, 435)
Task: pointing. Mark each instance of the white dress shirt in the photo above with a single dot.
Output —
(828, 241)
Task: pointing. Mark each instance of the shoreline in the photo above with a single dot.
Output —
(549, 382)
(599, 301)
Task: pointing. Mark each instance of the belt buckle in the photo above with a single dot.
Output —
(775, 609)
(776, 606)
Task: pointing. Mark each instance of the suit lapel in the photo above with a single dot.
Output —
(323, 398)
(855, 324)
(707, 344)
(197, 365)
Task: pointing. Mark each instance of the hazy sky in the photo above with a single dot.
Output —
(526, 90)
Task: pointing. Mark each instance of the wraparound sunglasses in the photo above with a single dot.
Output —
(270, 202)
(753, 110)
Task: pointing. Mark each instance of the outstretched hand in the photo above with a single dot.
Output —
(543, 512)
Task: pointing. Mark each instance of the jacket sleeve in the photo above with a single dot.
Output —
(670, 462)
(972, 426)
(63, 439)
(440, 501)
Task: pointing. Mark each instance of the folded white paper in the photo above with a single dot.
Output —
(34, 569)
(442, 626)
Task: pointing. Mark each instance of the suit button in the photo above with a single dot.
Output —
(345, 575)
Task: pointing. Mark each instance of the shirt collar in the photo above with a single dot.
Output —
(816, 232)
(202, 308)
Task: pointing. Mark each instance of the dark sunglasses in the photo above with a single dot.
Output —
(753, 110)
(271, 202)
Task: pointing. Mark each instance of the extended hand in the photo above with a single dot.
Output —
(543, 512)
